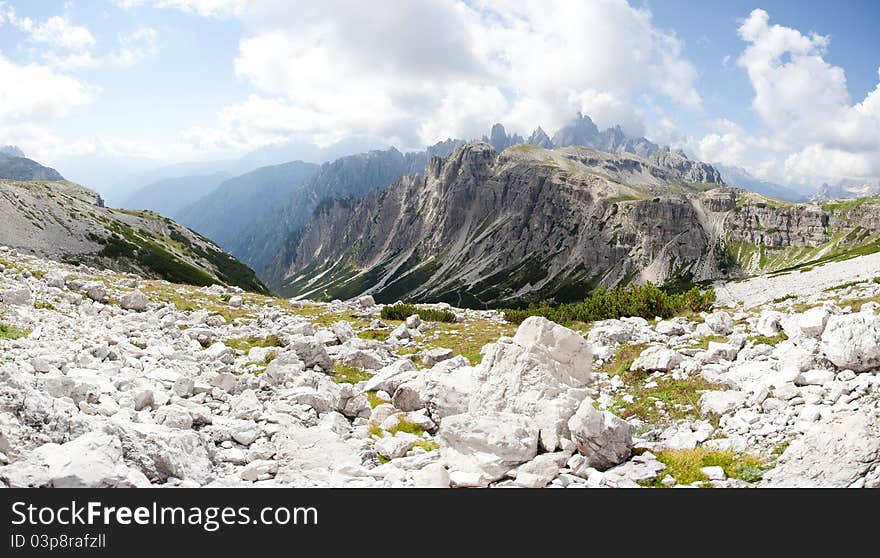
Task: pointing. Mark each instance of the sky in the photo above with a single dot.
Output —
(786, 90)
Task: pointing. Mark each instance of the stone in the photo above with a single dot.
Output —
(343, 331)
(310, 351)
(174, 416)
(720, 323)
(160, 452)
(814, 378)
(246, 406)
(714, 472)
(413, 322)
(721, 402)
(135, 300)
(604, 439)
(834, 453)
(768, 323)
(433, 356)
(538, 472)
(93, 460)
(259, 469)
(482, 447)
(657, 358)
(56, 279)
(220, 352)
(541, 372)
(390, 377)
(235, 301)
(96, 291)
(433, 475)
(18, 296)
(852, 341)
(812, 322)
(366, 301)
(392, 447)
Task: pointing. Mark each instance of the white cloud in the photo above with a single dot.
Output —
(134, 47)
(421, 71)
(32, 97)
(804, 103)
(206, 8)
(58, 31)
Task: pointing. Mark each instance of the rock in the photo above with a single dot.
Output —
(56, 279)
(479, 448)
(542, 372)
(235, 301)
(717, 352)
(310, 351)
(433, 356)
(174, 416)
(714, 473)
(392, 447)
(94, 460)
(413, 322)
(433, 475)
(814, 378)
(160, 452)
(602, 438)
(96, 291)
(258, 470)
(669, 327)
(246, 406)
(720, 323)
(852, 341)
(18, 296)
(366, 301)
(538, 472)
(135, 300)
(220, 352)
(721, 402)
(657, 358)
(835, 453)
(812, 322)
(768, 323)
(316, 457)
(392, 376)
(343, 331)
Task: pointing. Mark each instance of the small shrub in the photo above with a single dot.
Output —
(403, 311)
(685, 464)
(770, 339)
(647, 301)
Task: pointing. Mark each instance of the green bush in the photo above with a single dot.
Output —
(403, 311)
(647, 301)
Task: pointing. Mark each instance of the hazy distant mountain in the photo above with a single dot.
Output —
(223, 213)
(167, 197)
(12, 151)
(15, 167)
(740, 178)
(848, 190)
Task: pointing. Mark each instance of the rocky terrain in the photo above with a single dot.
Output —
(66, 222)
(15, 166)
(484, 228)
(114, 380)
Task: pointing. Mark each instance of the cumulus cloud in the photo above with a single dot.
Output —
(58, 31)
(31, 98)
(134, 47)
(419, 72)
(804, 101)
(207, 8)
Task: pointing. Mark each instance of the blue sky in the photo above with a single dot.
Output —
(786, 90)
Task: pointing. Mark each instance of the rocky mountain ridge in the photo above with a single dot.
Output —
(484, 228)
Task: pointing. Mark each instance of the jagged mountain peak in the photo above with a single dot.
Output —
(12, 151)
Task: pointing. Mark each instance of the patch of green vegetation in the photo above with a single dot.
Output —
(684, 465)
(427, 445)
(647, 301)
(375, 334)
(247, 343)
(408, 427)
(848, 205)
(770, 339)
(403, 311)
(677, 399)
(374, 399)
(703, 342)
(468, 338)
(45, 306)
(349, 374)
(779, 449)
(139, 345)
(842, 286)
(782, 299)
(12, 332)
(622, 360)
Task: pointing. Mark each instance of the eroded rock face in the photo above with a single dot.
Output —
(839, 451)
(479, 448)
(853, 341)
(542, 373)
(602, 438)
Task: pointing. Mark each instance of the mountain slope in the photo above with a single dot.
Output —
(13, 167)
(481, 228)
(489, 229)
(260, 241)
(168, 197)
(224, 213)
(66, 222)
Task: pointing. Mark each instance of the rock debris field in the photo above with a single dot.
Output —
(110, 380)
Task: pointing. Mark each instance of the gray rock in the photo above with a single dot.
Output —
(602, 438)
